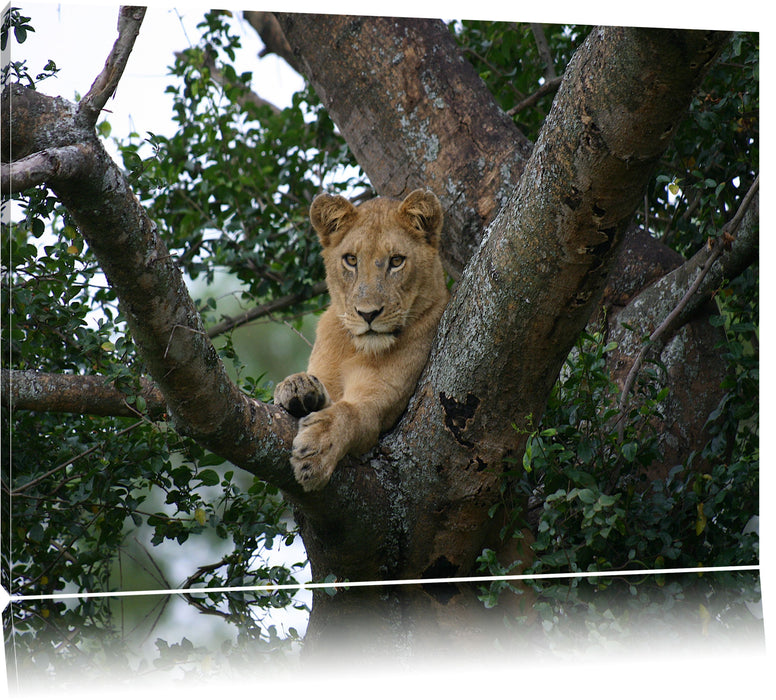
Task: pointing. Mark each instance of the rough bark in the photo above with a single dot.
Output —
(73, 393)
(539, 274)
(358, 47)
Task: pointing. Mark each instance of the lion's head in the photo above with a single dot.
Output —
(382, 263)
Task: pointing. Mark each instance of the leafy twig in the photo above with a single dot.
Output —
(717, 247)
(70, 461)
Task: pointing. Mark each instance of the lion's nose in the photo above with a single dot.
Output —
(370, 316)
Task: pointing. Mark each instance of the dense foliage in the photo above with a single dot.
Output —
(229, 192)
(231, 188)
(594, 516)
(75, 513)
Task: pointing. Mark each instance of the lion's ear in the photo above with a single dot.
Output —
(424, 213)
(329, 215)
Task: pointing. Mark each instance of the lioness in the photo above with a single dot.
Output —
(387, 293)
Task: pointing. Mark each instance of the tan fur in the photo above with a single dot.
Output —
(381, 261)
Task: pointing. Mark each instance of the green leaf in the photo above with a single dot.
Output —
(209, 477)
(181, 476)
(585, 495)
(581, 478)
(630, 450)
(607, 501)
(210, 460)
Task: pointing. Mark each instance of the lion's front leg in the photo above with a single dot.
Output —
(316, 450)
(325, 437)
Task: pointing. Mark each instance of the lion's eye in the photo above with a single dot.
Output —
(396, 262)
(349, 260)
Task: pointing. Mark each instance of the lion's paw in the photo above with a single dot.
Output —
(314, 454)
(301, 394)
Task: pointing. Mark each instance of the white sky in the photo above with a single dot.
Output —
(78, 37)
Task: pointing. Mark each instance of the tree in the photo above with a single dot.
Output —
(535, 229)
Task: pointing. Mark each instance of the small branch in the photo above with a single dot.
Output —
(191, 580)
(159, 573)
(35, 169)
(229, 323)
(546, 89)
(130, 19)
(544, 52)
(746, 202)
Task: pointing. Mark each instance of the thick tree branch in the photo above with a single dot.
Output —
(551, 247)
(38, 123)
(74, 393)
(531, 287)
(52, 164)
(203, 402)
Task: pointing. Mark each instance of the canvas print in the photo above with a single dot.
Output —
(331, 337)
